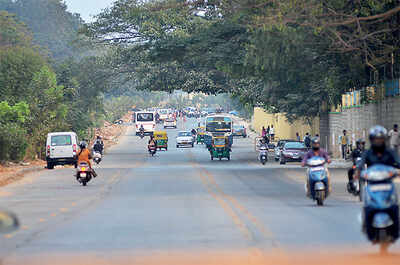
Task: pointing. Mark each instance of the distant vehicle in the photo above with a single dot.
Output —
(234, 112)
(184, 138)
(170, 123)
(164, 114)
(279, 146)
(292, 152)
(147, 119)
(119, 122)
(61, 148)
(239, 130)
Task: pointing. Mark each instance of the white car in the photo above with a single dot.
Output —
(184, 138)
(170, 123)
(61, 149)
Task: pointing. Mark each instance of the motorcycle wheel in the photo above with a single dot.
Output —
(383, 248)
(263, 162)
(84, 182)
(320, 198)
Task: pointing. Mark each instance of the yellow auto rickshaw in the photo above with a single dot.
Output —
(201, 131)
(220, 148)
(161, 139)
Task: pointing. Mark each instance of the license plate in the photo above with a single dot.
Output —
(380, 187)
(83, 175)
(317, 168)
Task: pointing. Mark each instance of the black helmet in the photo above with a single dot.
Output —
(82, 144)
(377, 132)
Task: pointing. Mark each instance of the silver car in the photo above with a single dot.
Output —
(279, 147)
(184, 138)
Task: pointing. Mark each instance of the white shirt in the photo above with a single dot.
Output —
(271, 130)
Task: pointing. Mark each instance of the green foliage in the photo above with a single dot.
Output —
(52, 25)
(13, 142)
(12, 32)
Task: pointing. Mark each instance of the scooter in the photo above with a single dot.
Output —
(317, 179)
(381, 209)
(97, 157)
(354, 187)
(263, 156)
(84, 173)
(152, 150)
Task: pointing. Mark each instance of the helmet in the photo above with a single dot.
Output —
(315, 140)
(82, 144)
(377, 132)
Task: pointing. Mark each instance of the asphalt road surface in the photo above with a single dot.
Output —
(181, 207)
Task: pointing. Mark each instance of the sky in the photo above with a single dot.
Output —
(87, 8)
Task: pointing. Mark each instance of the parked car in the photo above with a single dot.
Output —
(184, 138)
(170, 123)
(279, 146)
(61, 148)
(239, 130)
(292, 152)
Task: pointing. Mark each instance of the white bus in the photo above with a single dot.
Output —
(147, 119)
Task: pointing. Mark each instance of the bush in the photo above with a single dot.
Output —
(13, 143)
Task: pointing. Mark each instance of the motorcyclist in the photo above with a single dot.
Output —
(316, 150)
(85, 155)
(378, 154)
(141, 129)
(357, 153)
(152, 142)
(98, 145)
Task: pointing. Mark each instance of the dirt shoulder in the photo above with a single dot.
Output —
(12, 172)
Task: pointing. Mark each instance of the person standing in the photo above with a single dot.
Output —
(344, 141)
(307, 141)
(394, 138)
(263, 132)
(298, 136)
(268, 129)
(272, 132)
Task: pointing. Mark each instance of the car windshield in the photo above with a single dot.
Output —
(60, 140)
(294, 145)
(183, 134)
(145, 117)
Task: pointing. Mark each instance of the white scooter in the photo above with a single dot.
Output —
(263, 155)
(97, 157)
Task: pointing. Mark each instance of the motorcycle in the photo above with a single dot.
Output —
(152, 150)
(84, 173)
(97, 157)
(263, 156)
(381, 209)
(141, 134)
(354, 187)
(317, 179)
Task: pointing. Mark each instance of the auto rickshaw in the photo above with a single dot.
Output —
(201, 131)
(220, 148)
(161, 139)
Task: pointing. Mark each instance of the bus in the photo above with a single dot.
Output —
(219, 125)
(147, 119)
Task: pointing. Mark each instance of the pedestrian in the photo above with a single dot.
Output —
(263, 132)
(317, 135)
(394, 138)
(272, 132)
(268, 129)
(307, 140)
(344, 142)
(298, 136)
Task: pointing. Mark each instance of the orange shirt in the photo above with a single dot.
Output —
(84, 156)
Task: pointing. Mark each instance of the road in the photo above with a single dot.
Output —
(180, 207)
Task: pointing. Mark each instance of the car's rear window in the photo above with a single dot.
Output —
(60, 140)
(184, 134)
(295, 145)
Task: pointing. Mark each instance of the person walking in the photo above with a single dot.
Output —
(268, 129)
(394, 138)
(344, 141)
(298, 136)
(272, 132)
